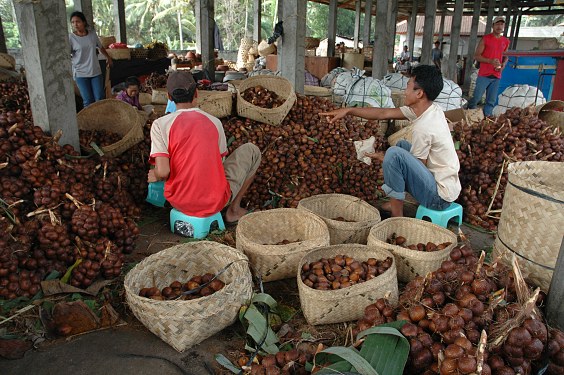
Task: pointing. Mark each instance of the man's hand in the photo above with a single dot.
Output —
(151, 176)
(335, 115)
(375, 155)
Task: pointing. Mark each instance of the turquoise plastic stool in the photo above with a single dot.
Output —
(155, 194)
(191, 226)
(441, 217)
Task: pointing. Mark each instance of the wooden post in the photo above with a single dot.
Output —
(205, 21)
(332, 28)
(411, 28)
(555, 303)
(489, 20)
(513, 26)
(380, 59)
(442, 26)
(452, 71)
(367, 21)
(357, 24)
(85, 6)
(471, 46)
(119, 16)
(257, 22)
(507, 16)
(429, 31)
(391, 29)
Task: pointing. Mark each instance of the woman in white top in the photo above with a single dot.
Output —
(85, 66)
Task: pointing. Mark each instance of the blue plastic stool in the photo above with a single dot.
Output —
(155, 194)
(191, 226)
(441, 217)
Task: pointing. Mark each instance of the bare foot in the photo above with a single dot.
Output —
(387, 206)
(234, 213)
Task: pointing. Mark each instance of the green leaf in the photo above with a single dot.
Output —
(230, 140)
(353, 357)
(306, 336)
(286, 312)
(223, 361)
(66, 277)
(313, 139)
(457, 145)
(97, 148)
(76, 297)
(265, 298)
(53, 275)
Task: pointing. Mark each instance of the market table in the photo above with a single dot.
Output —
(122, 69)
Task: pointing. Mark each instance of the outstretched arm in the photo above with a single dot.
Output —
(369, 113)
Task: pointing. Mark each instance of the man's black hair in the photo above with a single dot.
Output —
(183, 95)
(132, 81)
(429, 79)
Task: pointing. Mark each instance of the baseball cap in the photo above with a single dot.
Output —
(499, 19)
(179, 80)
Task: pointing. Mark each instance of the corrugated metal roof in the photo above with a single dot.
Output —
(464, 28)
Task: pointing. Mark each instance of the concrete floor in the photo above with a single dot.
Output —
(131, 348)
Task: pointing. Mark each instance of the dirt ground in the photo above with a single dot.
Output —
(130, 348)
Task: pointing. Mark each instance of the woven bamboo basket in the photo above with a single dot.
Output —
(532, 220)
(265, 49)
(183, 324)
(405, 133)
(107, 40)
(119, 53)
(311, 43)
(272, 116)
(259, 232)
(361, 216)
(159, 96)
(317, 91)
(398, 98)
(343, 305)
(216, 103)
(113, 116)
(552, 113)
(7, 61)
(139, 53)
(145, 98)
(412, 263)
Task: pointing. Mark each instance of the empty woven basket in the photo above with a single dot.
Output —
(359, 215)
(412, 263)
(343, 305)
(183, 324)
(259, 232)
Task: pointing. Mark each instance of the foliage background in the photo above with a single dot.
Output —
(173, 21)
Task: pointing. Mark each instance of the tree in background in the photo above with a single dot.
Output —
(11, 32)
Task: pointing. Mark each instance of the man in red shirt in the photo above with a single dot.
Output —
(489, 54)
(187, 148)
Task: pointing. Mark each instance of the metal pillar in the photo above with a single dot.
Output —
(292, 61)
(332, 28)
(514, 46)
(513, 26)
(357, 24)
(257, 12)
(411, 28)
(205, 22)
(45, 48)
(471, 46)
(119, 15)
(367, 21)
(428, 31)
(380, 59)
(507, 16)
(442, 26)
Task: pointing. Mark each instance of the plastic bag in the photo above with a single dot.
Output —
(518, 96)
(450, 97)
(365, 146)
(395, 81)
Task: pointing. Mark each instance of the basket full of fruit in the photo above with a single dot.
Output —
(276, 240)
(419, 246)
(337, 282)
(265, 98)
(187, 293)
(348, 218)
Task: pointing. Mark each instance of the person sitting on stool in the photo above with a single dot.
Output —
(187, 148)
(427, 168)
(130, 94)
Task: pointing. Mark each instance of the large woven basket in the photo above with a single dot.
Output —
(7, 61)
(272, 116)
(113, 116)
(552, 113)
(119, 53)
(343, 305)
(265, 49)
(183, 324)
(139, 53)
(405, 133)
(216, 103)
(318, 91)
(531, 225)
(258, 232)
(361, 216)
(412, 263)
(107, 40)
(159, 96)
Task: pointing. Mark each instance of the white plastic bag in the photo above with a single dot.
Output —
(450, 97)
(395, 81)
(518, 96)
(365, 146)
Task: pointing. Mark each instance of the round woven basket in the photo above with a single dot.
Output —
(265, 49)
(119, 53)
(259, 232)
(361, 216)
(405, 133)
(113, 116)
(139, 53)
(272, 116)
(183, 324)
(7, 61)
(107, 40)
(532, 220)
(552, 113)
(216, 103)
(343, 305)
(412, 263)
(310, 43)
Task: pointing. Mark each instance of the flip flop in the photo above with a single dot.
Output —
(230, 224)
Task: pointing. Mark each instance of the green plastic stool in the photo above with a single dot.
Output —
(441, 217)
(192, 226)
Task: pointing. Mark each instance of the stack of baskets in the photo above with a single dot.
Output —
(272, 116)
(113, 116)
(183, 324)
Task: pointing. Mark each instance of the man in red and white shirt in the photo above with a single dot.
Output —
(489, 54)
(187, 150)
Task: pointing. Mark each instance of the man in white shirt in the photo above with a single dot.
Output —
(427, 168)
